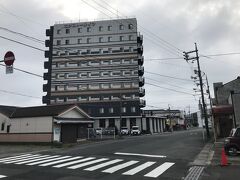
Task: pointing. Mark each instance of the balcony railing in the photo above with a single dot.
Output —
(142, 103)
(140, 70)
(141, 92)
(141, 81)
(140, 39)
(140, 49)
(140, 60)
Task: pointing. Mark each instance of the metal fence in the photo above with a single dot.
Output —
(102, 133)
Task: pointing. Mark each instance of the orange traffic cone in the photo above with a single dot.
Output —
(224, 161)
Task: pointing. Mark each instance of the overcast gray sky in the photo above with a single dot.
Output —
(168, 27)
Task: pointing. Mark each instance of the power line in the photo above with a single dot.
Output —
(167, 44)
(168, 84)
(23, 35)
(133, 25)
(18, 42)
(169, 89)
(24, 71)
(19, 94)
(172, 77)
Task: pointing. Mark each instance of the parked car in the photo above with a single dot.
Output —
(109, 131)
(135, 130)
(99, 131)
(124, 131)
(232, 143)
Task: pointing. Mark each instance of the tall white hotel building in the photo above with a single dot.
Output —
(99, 66)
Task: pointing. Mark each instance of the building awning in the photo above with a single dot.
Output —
(223, 109)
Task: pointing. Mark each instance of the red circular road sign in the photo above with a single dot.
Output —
(9, 58)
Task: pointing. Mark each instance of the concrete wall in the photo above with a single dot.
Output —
(31, 129)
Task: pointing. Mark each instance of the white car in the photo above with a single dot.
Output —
(124, 131)
(135, 130)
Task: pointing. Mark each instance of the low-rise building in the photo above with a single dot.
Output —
(53, 123)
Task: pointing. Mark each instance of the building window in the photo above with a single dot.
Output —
(100, 28)
(130, 26)
(121, 27)
(8, 128)
(79, 30)
(111, 110)
(111, 122)
(121, 38)
(101, 110)
(88, 40)
(130, 37)
(59, 31)
(58, 42)
(109, 39)
(109, 50)
(2, 127)
(101, 39)
(102, 123)
(133, 109)
(88, 29)
(100, 51)
(67, 31)
(109, 28)
(124, 122)
(123, 110)
(67, 41)
(79, 41)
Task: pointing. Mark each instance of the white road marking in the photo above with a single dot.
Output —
(103, 165)
(144, 155)
(2, 176)
(87, 163)
(37, 159)
(120, 166)
(159, 170)
(22, 159)
(74, 162)
(48, 160)
(139, 168)
(14, 157)
(60, 161)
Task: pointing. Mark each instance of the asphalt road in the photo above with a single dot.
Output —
(165, 156)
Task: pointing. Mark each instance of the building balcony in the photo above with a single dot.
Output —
(49, 32)
(140, 60)
(140, 70)
(142, 103)
(45, 87)
(45, 99)
(46, 65)
(141, 92)
(140, 49)
(141, 81)
(46, 76)
(140, 39)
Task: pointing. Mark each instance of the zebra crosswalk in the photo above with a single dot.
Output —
(149, 169)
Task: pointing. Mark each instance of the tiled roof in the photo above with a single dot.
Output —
(35, 111)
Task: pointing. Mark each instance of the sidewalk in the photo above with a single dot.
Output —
(215, 171)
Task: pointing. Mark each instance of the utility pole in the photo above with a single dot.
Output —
(211, 105)
(196, 58)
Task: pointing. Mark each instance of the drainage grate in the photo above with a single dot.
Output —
(194, 173)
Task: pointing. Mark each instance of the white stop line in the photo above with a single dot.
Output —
(144, 155)
(2, 176)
